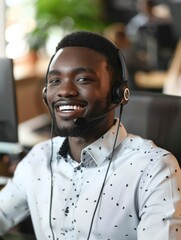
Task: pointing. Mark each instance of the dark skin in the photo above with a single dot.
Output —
(80, 79)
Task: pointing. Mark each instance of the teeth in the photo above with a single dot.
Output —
(69, 108)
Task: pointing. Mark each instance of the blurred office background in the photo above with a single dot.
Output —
(30, 30)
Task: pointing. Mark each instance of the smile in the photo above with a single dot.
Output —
(69, 108)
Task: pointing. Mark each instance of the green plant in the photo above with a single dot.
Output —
(66, 14)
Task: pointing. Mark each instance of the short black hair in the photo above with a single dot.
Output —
(98, 43)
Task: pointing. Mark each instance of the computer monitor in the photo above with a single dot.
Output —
(8, 107)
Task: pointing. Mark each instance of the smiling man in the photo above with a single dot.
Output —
(93, 180)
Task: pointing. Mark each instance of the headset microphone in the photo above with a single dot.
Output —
(82, 121)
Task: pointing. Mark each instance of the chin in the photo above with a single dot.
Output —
(67, 131)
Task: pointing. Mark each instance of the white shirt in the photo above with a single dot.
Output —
(141, 198)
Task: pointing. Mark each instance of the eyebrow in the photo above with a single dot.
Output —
(76, 71)
(53, 72)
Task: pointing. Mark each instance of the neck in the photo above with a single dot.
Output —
(77, 144)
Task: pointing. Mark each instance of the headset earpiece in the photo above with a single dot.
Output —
(120, 93)
(126, 95)
(120, 90)
(44, 95)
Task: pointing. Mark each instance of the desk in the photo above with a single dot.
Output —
(17, 236)
(153, 80)
(29, 131)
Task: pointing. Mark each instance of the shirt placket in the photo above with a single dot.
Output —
(71, 201)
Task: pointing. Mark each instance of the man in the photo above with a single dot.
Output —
(145, 16)
(148, 34)
(94, 180)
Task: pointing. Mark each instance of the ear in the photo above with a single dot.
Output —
(44, 95)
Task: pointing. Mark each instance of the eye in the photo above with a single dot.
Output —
(83, 80)
(54, 81)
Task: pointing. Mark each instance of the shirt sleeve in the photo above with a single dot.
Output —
(13, 204)
(160, 201)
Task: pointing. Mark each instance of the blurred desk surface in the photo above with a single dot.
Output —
(34, 130)
(150, 80)
(17, 236)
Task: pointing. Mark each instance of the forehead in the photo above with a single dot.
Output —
(73, 56)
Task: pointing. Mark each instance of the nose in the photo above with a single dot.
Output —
(67, 89)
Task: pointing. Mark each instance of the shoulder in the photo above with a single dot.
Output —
(147, 153)
(42, 152)
(44, 148)
(152, 164)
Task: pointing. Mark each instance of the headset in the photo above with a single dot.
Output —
(120, 91)
(44, 91)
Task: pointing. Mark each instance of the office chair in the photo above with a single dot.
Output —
(155, 116)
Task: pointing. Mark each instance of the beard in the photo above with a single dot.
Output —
(67, 131)
(75, 130)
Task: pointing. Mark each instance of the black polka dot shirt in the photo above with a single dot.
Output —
(141, 199)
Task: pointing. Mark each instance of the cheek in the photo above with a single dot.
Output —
(50, 96)
(106, 86)
(99, 100)
(106, 92)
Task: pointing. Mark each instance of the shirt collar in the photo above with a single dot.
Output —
(102, 147)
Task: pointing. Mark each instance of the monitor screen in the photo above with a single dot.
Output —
(8, 108)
